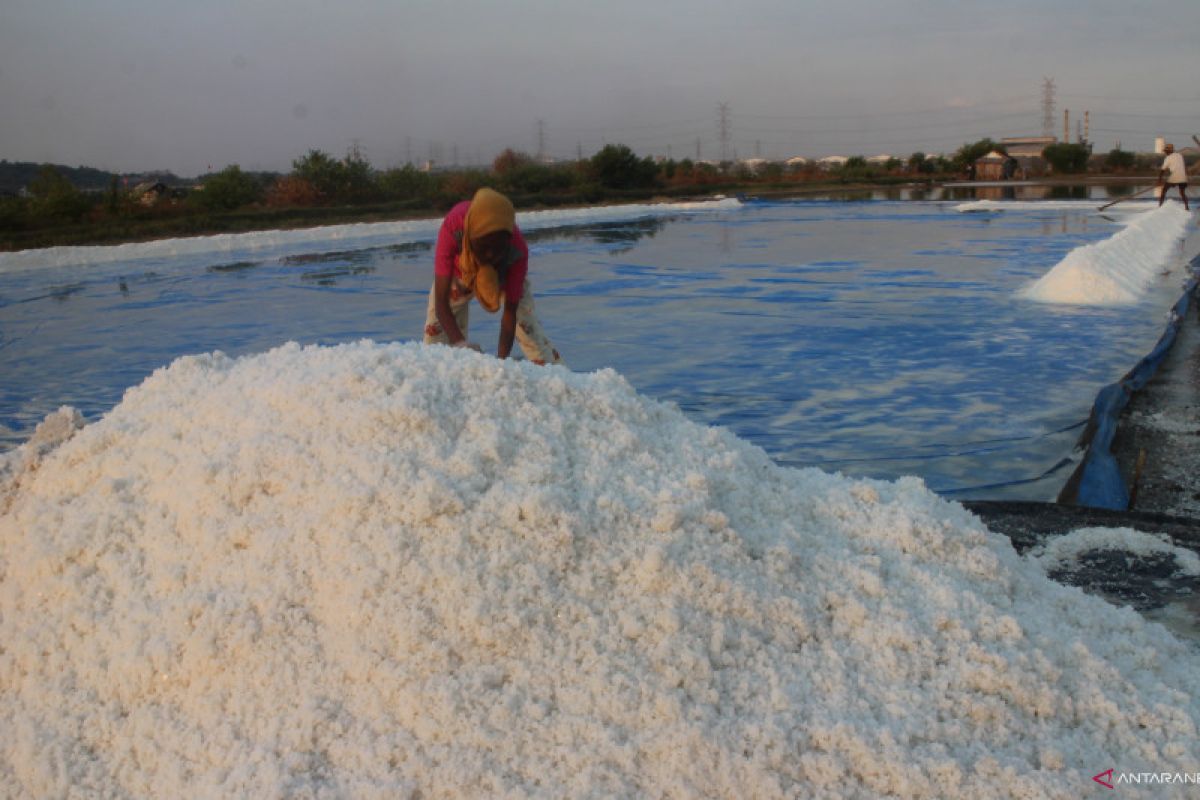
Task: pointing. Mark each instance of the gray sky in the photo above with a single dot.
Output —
(131, 85)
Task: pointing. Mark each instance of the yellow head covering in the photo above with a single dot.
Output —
(490, 211)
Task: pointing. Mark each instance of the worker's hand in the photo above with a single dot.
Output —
(469, 345)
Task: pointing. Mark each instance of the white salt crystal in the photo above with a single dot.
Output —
(369, 570)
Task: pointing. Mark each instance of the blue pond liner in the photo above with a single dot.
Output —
(1097, 481)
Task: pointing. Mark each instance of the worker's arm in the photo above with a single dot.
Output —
(445, 317)
(508, 327)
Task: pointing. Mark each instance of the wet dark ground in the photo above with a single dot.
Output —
(1157, 444)
(1157, 447)
(1152, 585)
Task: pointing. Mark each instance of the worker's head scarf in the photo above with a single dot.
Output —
(490, 211)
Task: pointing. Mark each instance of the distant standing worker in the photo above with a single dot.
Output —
(1175, 174)
(481, 254)
(1010, 168)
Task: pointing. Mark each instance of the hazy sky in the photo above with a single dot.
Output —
(130, 85)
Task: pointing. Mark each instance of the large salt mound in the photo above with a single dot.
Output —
(1120, 269)
(379, 571)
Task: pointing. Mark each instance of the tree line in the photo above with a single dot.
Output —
(320, 186)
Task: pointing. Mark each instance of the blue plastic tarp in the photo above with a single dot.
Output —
(1097, 483)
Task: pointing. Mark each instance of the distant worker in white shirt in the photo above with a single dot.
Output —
(1175, 173)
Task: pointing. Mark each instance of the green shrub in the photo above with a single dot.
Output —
(1068, 159)
(918, 163)
(1119, 159)
(357, 182)
(617, 167)
(319, 169)
(13, 213)
(228, 189)
(407, 184)
(55, 199)
(970, 153)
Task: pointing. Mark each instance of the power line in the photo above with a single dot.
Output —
(891, 128)
(643, 126)
(886, 114)
(1147, 116)
(1144, 131)
(1140, 99)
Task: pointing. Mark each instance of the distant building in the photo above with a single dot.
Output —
(150, 193)
(1027, 146)
(796, 162)
(1027, 150)
(832, 162)
(990, 167)
(754, 165)
(880, 159)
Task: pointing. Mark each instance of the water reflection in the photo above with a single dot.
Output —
(860, 195)
(58, 293)
(328, 277)
(965, 192)
(618, 237)
(237, 266)
(351, 256)
(350, 263)
(1069, 192)
(407, 248)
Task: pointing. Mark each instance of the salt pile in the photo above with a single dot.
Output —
(1067, 551)
(380, 571)
(975, 206)
(1120, 269)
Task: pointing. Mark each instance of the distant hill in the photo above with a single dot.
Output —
(14, 175)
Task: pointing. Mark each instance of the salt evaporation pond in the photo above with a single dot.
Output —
(381, 570)
(877, 339)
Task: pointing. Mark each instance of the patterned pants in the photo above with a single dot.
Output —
(533, 340)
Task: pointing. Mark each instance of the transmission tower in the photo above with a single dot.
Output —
(723, 128)
(1047, 106)
(541, 134)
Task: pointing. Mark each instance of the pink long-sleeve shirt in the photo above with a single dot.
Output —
(449, 246)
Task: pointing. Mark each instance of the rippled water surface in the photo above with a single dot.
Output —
(873, 338)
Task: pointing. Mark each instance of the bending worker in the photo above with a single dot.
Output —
(481, 253)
